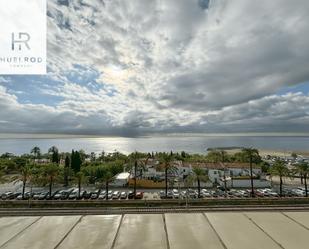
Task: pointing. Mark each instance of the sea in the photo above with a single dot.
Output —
(192, 143)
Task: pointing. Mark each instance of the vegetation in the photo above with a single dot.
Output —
(79, 168)
(303, 170)
(251, 155)
(166, 160)
(200, 175)
(36, 152)
(54, 154)
(279, 169)
(51, 171)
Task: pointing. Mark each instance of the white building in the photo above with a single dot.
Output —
(219, 171)
(244, 182)
(121, 180)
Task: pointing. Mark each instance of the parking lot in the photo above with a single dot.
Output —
(153, 194)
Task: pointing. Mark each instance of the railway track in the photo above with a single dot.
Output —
(154, 210)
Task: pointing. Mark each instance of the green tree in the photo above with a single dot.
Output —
(134, 162)
(26, 172)
(76, 161)
(36, 152)
(51, 172)
(54, 152)
(303, 170)
(200, 176)
(166, 161)
(67, 163)
(214, 156)
(279, 169)
(104, 176)
(80, 178)
(294, 155)
(251, 155)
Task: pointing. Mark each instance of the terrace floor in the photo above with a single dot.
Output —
(235, 230)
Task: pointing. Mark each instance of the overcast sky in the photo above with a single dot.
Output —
(119, 67)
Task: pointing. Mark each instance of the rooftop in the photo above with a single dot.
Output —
(220, 165)
(235, 230)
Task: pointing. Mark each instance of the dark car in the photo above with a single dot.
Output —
(130, 195)
(162, 194)
(66, 193)
(86, 195)
(52, 196)
(95, 194)
(16, 194)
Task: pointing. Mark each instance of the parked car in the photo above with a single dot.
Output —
(287, 193)
(175, 193)
(298, 192)
(139, 195)
(273, 194)
(205, 193)
(57, 196)
(43, 195)
(183, 194)
(66, 193)
(110, 194)
(192, 193)
(35, 196)
(162, 194)
(102, 195)
(259, 193)
(27, 195)
(73, 195)
(7, 196)
(123, 195)
(86, 195)
(169, 194)
(116, 195)
(130, 195)
(95, 194)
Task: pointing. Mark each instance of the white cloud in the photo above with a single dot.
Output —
(176, 65)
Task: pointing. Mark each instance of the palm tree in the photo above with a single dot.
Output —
(303, 170)
(107, 178)
(80, 178)
(51, 171)
(104, 176)
(251, 154)
(166, 163)
(25, 176)
(279, 169)
(200, 176)
(223, 156)
(36, 151)
(137, 164)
